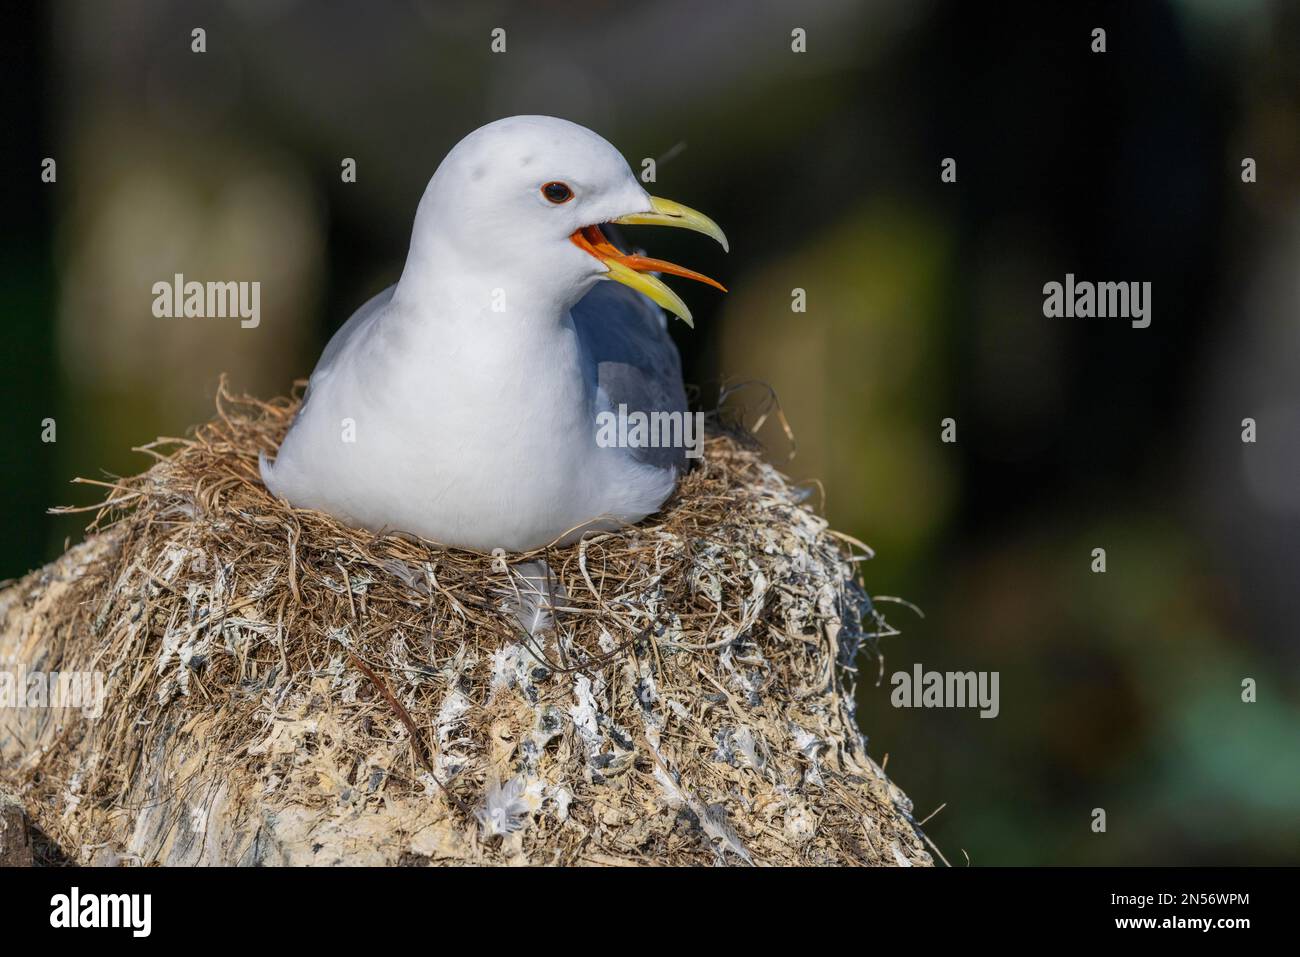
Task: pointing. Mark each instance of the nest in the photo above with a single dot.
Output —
(280, 688)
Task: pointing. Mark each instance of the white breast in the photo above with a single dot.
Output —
(479, 438)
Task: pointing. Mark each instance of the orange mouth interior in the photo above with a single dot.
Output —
(591, 240)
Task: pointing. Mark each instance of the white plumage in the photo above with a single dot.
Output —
(461, 404)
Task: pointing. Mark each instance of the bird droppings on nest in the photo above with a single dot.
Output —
(283, 689)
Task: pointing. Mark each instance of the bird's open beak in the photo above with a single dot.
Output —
(634, 270)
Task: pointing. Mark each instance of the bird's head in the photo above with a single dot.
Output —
(524, 198)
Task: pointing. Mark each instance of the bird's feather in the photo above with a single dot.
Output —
(534, 593)
(633, 359)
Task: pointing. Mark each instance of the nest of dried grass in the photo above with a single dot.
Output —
(284, 689)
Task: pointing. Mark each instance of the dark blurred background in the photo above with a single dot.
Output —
(1120, 691)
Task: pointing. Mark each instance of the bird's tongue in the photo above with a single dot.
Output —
(590, 239)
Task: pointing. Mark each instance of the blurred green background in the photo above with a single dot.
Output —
(924, 301)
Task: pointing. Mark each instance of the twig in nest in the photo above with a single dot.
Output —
(405, 716)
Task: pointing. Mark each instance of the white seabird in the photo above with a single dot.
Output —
(461, 404)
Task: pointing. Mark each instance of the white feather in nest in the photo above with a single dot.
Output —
(504, 808)
(534, 596)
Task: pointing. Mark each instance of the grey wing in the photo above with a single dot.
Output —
(356, 324)
(634, 361)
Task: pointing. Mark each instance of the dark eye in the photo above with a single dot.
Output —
(557, 192)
